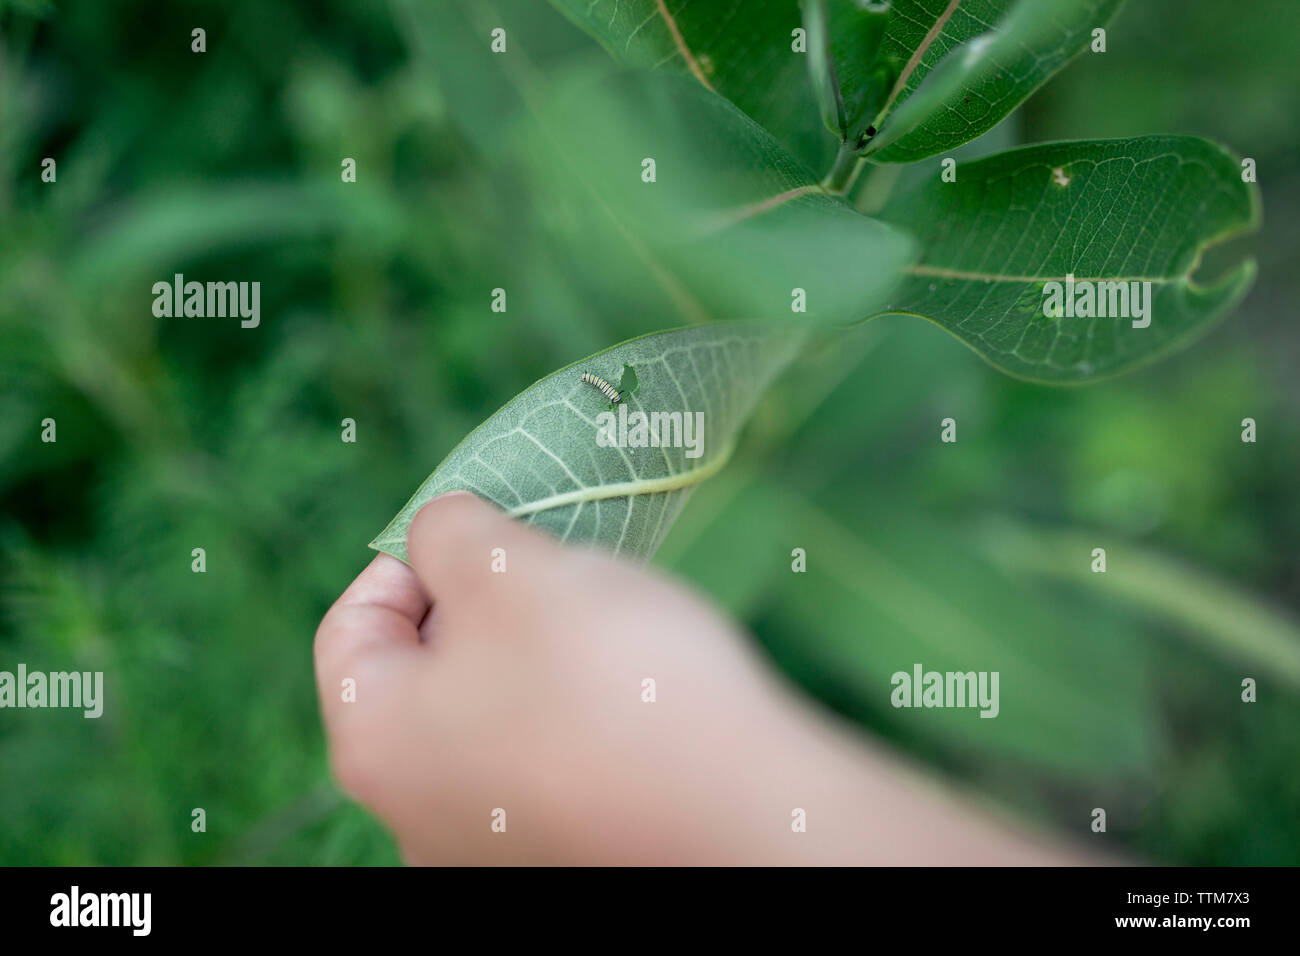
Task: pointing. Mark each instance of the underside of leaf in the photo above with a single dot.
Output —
(538, 457)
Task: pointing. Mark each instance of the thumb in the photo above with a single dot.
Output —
(465, 551)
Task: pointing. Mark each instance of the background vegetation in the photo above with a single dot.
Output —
(183, 433)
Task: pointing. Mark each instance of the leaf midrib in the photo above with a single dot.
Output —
(914, 61)
(628, 489)
(941, 272)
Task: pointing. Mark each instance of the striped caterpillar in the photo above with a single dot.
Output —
(607, 389)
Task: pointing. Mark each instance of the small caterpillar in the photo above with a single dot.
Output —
(609, 390)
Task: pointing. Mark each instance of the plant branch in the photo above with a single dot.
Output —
(845, 169)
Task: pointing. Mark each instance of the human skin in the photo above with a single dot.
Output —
(478, 691)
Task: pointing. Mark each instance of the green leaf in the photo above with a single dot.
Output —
(1223, 618)
(886, 588)
(746, 53)
(1137, 210)
(821, 68)
(962, 80)
(882, 55)
(708, 201)
(539, 460)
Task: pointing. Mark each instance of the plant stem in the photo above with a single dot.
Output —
(841, 175)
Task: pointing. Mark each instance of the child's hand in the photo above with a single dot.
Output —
(521, 698)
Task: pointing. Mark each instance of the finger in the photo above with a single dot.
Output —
(362, 644)
(371, 631)
(386, 585)
(470, 555)
(387, 582)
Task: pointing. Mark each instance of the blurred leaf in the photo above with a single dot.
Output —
(538, 457)
(1138, 209)
(485, 91)
(994, 54)
(821, 68)
(164, 227)
(1226, 620)
(961, 82)
(748, 58)
(709, 202)
(886, 588)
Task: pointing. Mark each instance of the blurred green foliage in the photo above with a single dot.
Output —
(175, 434)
